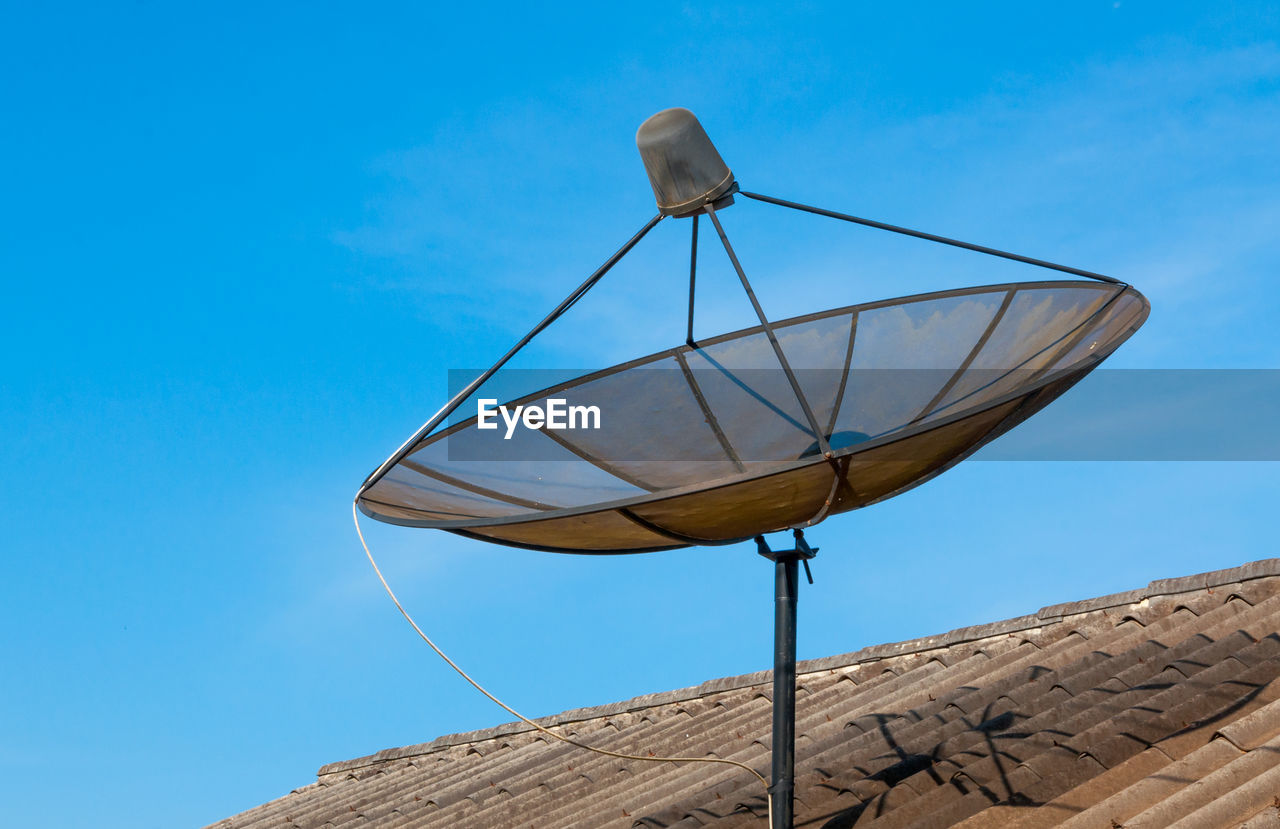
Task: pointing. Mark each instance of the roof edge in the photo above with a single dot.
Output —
(1051, 614)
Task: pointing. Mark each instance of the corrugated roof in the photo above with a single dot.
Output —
(1154, 708)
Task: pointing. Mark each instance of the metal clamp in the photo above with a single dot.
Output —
(802, 552)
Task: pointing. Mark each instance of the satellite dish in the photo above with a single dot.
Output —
(708, 445)
(770, 428)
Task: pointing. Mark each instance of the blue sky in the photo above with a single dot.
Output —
(243, 246)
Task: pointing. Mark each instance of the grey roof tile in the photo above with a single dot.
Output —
(1268, 817)
(1236, 804)
(1208, 788)
(1154, 788)
(1257, 726)
(1073, 801)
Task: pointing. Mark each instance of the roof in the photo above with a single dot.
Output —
(1158, 707)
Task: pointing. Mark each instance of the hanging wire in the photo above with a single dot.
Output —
(438, 418)
(355, 517)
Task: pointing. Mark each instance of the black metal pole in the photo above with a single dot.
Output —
(784, 690)
(786, 595)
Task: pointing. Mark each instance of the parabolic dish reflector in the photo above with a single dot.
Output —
(708, 444)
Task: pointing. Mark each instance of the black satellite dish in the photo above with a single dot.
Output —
(771, 428)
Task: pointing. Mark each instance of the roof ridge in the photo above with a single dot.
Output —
(1051, 614)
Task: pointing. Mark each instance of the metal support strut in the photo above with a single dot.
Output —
(693, 275)
(930, 237)
(823, 445)
(786, 594)
(457, 400)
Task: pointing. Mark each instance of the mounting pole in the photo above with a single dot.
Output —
(786, 594)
